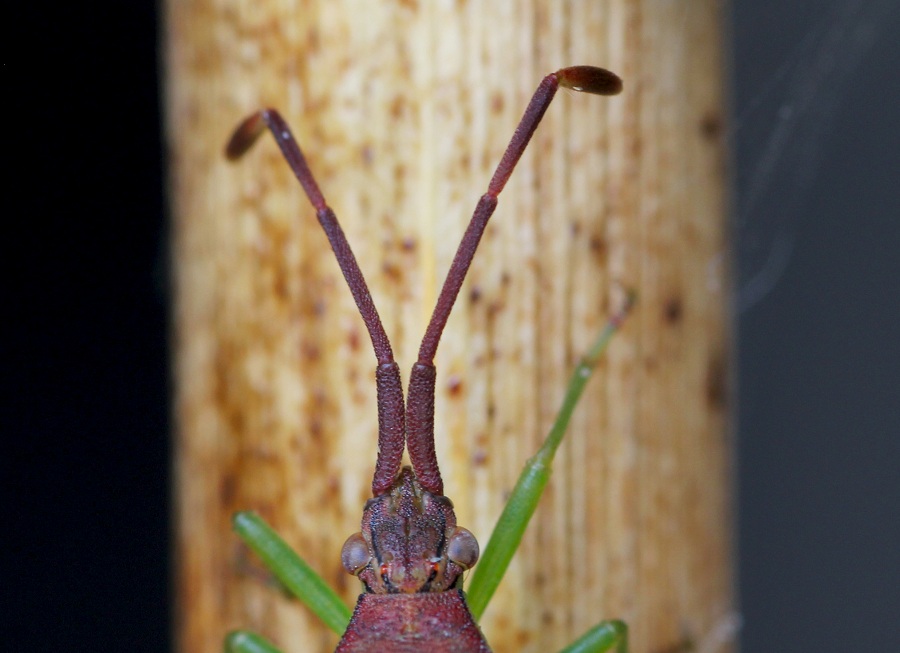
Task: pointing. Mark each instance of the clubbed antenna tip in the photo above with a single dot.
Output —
(590, 79)
(245, 136)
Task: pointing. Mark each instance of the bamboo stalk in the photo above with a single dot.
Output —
(403, 109)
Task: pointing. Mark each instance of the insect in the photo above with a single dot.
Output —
(410, 554)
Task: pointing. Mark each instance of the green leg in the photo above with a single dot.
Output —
(605, 636)
(525, 496)
(292, 571)
(244, 641)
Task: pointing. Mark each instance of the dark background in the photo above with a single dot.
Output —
(86, 417)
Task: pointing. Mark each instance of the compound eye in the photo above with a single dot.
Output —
(463, 548)
(355, 554)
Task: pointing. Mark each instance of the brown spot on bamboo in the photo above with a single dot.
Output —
(673, 310)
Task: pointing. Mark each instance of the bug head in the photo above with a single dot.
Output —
(409, 542)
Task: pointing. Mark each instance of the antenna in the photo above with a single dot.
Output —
(391, 429)
(420, 398)
(414, 427)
